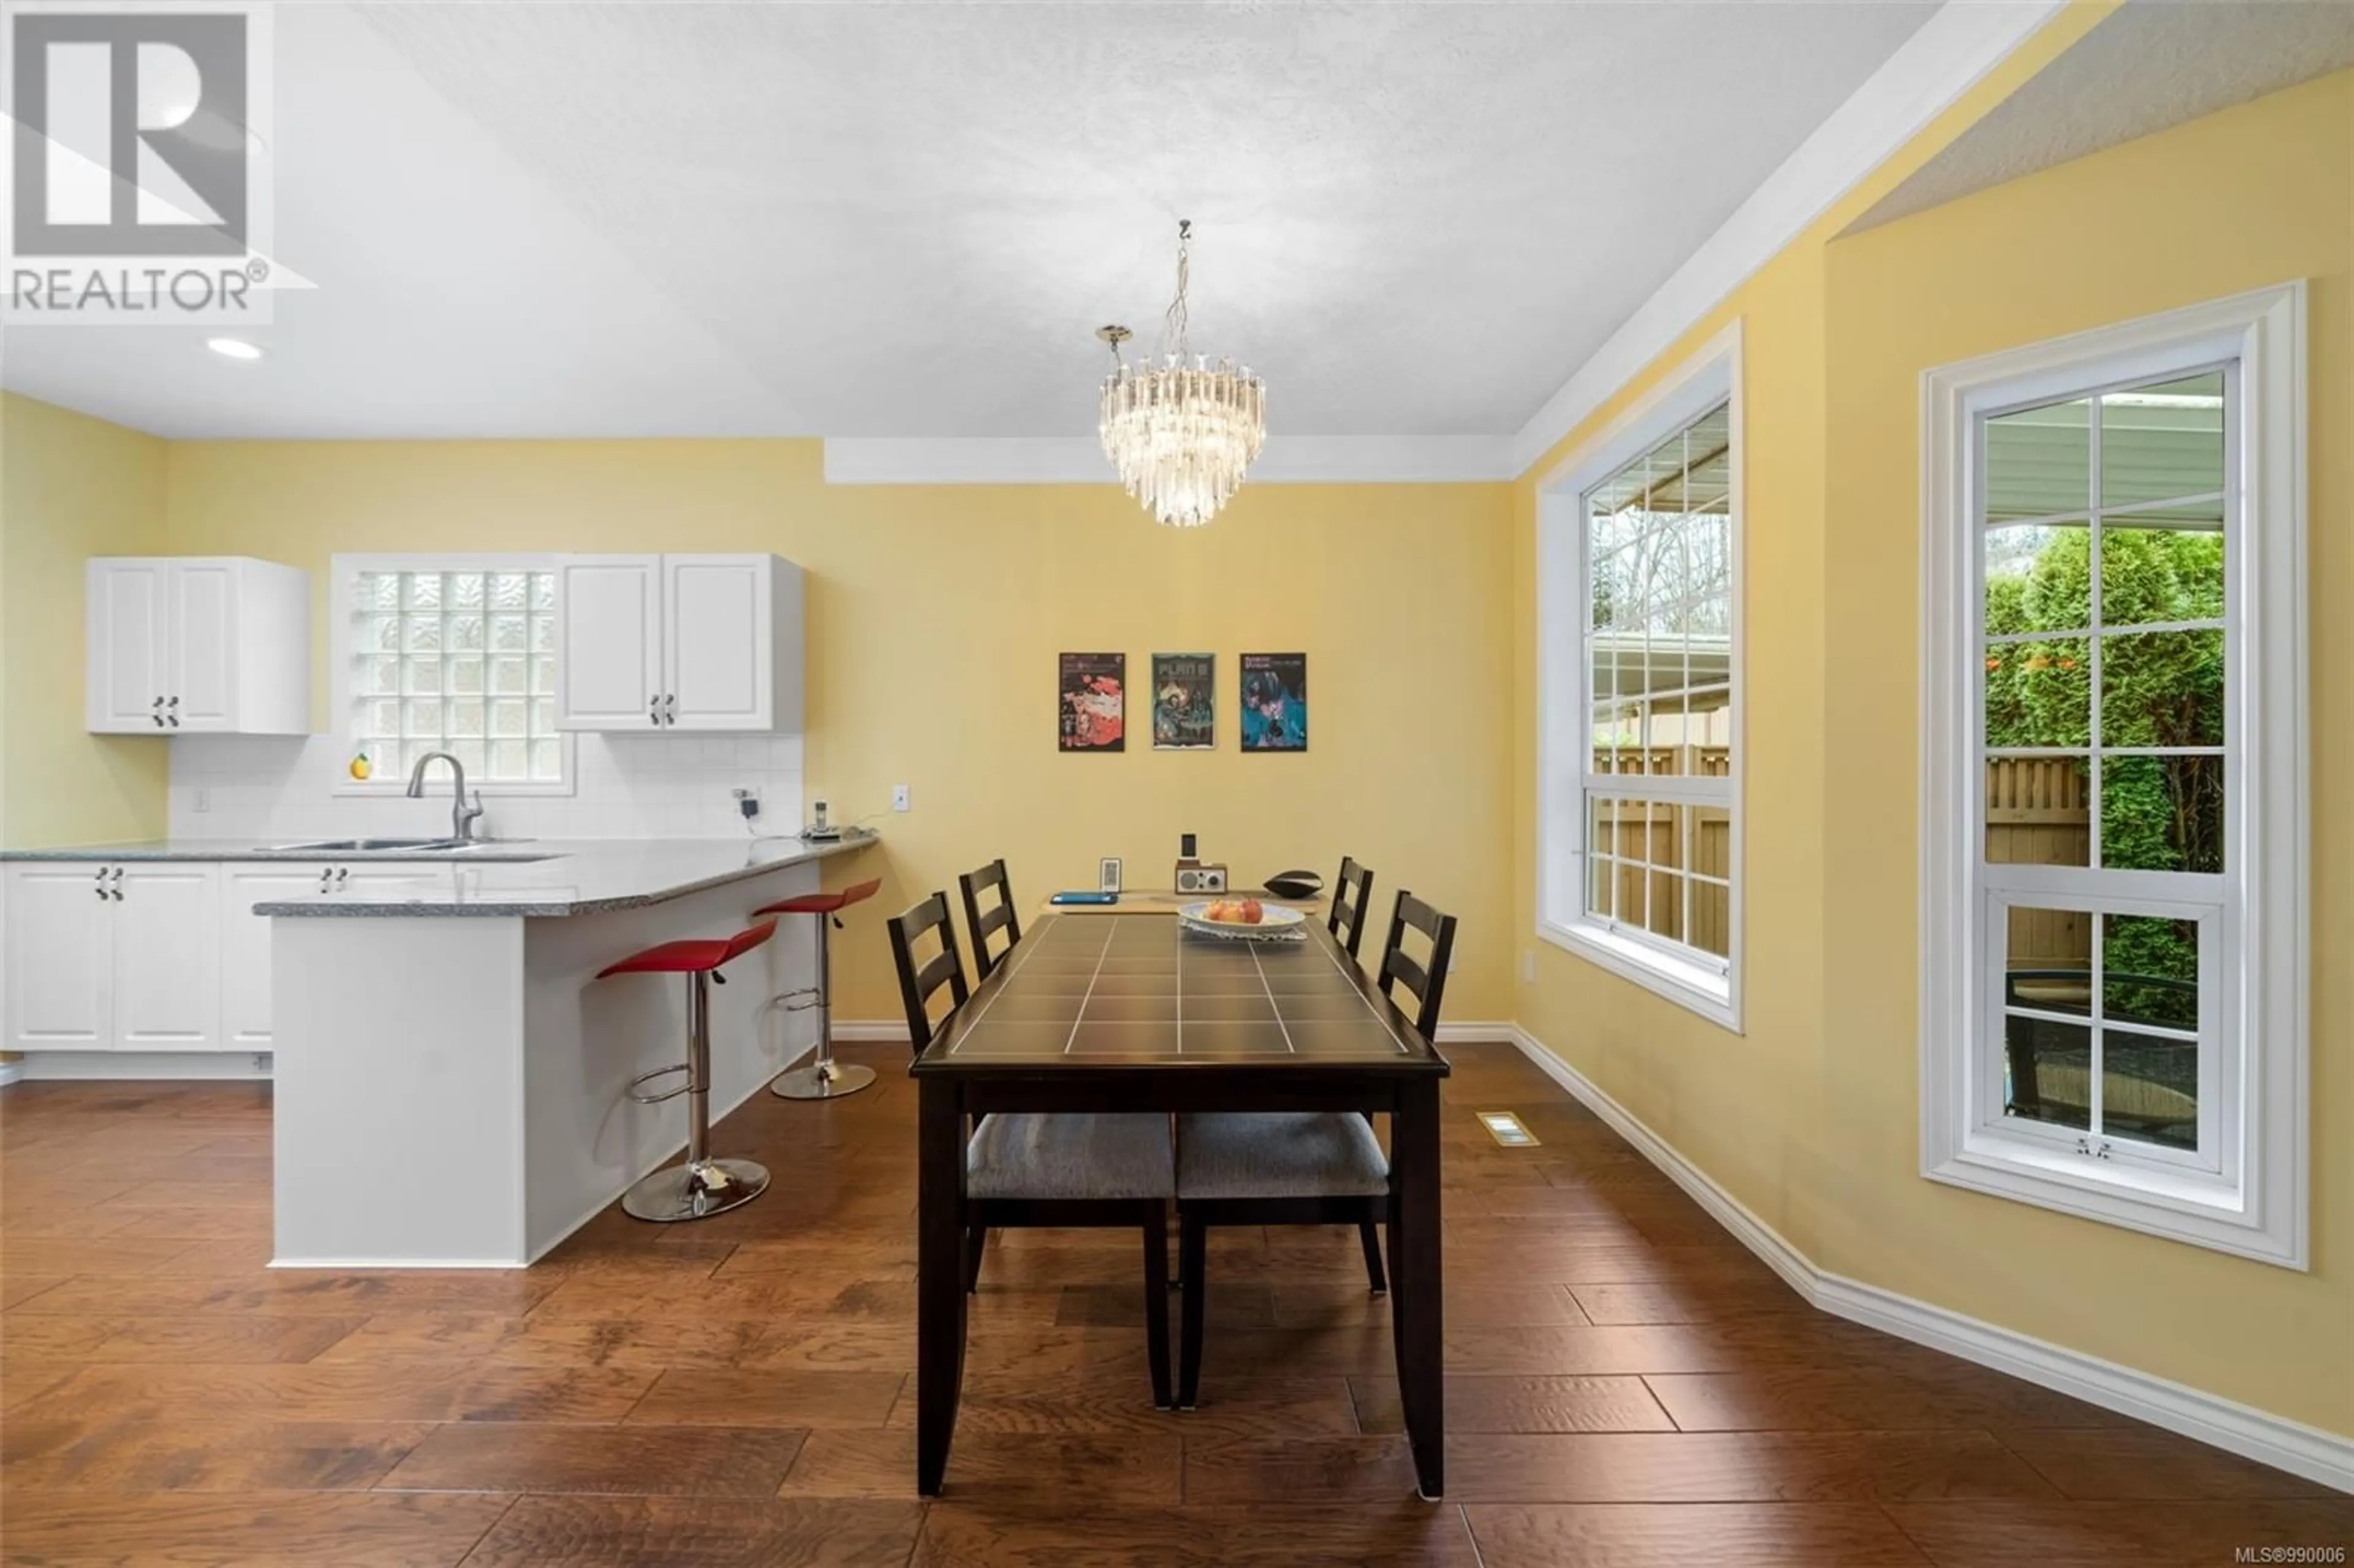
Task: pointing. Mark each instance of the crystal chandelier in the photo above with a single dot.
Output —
(1181, 430)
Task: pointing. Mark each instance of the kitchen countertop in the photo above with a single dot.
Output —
(507, 850)
(566, 876)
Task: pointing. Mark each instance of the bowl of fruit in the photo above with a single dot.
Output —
(1244, 917)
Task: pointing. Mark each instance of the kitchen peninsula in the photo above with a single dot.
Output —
(450, 1073)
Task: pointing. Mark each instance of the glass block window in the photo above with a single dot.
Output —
(1658, 679)
(462, 662)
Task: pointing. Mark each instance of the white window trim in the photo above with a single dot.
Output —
(2260, 1209)
(1712, 376)
(343, 573)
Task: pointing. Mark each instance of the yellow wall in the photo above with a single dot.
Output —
(71, 487)
(936, 613)
(1811, 1117)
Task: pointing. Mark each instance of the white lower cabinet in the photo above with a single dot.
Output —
(168, 969)
(60, 961)
(120, 956)
(245, 944)
(151, 955)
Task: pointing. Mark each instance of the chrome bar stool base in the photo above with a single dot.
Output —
(700, 1185)
(694, 1192)
(826, 1079)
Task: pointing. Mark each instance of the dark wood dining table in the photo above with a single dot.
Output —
(1118, 1012)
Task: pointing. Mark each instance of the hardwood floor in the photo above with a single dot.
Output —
(1627, 1386)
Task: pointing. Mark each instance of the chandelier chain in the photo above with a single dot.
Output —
(1173, 325)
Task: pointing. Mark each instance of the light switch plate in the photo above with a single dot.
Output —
(899, 798)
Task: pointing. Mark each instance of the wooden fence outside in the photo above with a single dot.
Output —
(2038, 813)
(1645, 832)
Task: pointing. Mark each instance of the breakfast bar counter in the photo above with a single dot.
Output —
(452, 1075)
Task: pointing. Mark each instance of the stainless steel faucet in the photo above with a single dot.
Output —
(462, 813)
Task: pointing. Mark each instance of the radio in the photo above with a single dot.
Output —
(1201, 878)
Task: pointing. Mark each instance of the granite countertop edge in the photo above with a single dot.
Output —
(568, 863)
(504, 903)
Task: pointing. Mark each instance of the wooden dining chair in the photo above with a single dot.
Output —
(1069, 1170)
(1352, 895)
(1295, 1168)
(920, 983)
(1002, 918)
(1424, 979)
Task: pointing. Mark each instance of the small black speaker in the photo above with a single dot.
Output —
(1295, 884)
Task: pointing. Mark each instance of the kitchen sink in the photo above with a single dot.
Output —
(405, 846)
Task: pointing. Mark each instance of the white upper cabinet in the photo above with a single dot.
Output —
(214, 645)
(679, 642)
(609, 674)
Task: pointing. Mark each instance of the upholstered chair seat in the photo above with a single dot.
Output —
(1278, 1154)
(1070, 1155)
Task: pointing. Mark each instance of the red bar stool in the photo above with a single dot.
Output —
(699, 1185)
(825, 1078)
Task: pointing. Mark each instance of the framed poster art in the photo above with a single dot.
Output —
(1093, 716)
(1275, 702)
(1184, 702)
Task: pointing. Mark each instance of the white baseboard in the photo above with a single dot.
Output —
(2326, 1458)
(1476, 1033)
(98, 1066)
(349, 1265)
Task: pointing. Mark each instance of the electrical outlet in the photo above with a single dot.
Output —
(747, 801)
(203, 799)
(899, 798)
(1528, 966)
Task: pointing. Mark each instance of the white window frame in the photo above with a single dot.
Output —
(2249, 1198)
(1565, 729)
(345, 573)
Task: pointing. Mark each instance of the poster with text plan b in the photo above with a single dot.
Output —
(1184, 702)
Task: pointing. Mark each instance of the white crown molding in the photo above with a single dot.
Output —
(1953, 50)
(2326, 1458)
(1079, 459)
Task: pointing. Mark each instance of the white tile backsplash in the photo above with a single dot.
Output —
(625, 787)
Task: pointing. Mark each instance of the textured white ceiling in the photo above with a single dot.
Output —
(906, 221)
(2149, 65)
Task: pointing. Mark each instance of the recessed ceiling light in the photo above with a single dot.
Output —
(232, 348)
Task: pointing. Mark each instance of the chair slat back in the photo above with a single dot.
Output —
(1424, 979)
(999, 917)
(1351, 896)
(918, 983)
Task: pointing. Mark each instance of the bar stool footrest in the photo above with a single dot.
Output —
(646, 1100)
